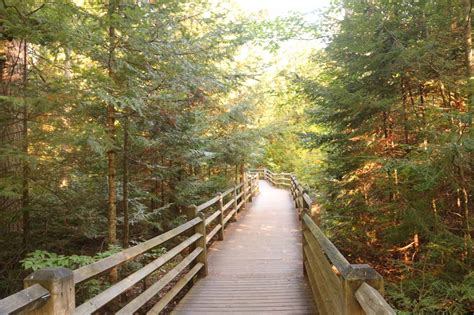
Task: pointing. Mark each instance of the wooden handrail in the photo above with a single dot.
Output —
(28, 299)
(371, 301)
(61, 281)
(110, 262)
(331, 251)
(338, 287)
(120, 287)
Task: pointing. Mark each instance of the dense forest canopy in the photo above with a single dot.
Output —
(118, 115)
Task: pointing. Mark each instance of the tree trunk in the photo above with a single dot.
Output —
(111, 133)
(12, 130)
(126, 230)
(468, 52)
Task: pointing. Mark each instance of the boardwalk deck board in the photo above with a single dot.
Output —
(258, 268)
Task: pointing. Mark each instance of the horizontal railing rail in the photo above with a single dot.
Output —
(338, 287)
(28, 299)
(52, 290)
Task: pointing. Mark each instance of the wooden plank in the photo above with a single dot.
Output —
(149, 293)
(228, 191)
(229, 216)
(372, 302)
(336, 258)
(158, 307)
(240, 195)
(317, 293)
(240, 205)
(332, 295)
(212, 217)
(307, 199)
(213, 233)
(120, 287)
(27, 299)
(227, 205)
(334, 283)
(105, 264)
(207, 204)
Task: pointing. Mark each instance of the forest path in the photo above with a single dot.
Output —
(258, 268)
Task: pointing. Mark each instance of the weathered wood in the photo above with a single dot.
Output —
(158, 307)
(227, 192)
(239, 206)
(27, 299)
(335, 257)
(316, 290)
(59, 282)
(207, 204)
(120, 287)
(229, 216)
(372, 302)
(235, 209)
(202, 242)
(213, 233)
(326, 299)
(244, 191)
(149, 293)
(212, 217)
(332, 281)
(105, 264)
(352, 279)
(308, 201)
(228, 204)
(331, 288)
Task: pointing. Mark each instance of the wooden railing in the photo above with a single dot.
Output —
(52, 290)
(338, 287)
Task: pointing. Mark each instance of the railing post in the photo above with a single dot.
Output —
(60, 284)
(234, 194)
(303, 242)
(201, 228)
(251, 179)
(220, 204)
(352, 279)
(244, 189)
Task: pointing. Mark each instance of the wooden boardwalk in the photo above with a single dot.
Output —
(258, 268)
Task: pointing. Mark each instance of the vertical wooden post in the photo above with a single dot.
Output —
(257, 188)
(251, 192)
(303, 242)
(234, 194)
(244, 189)
(60, 284)
(352, 278)
(220, 205)
(201, 242)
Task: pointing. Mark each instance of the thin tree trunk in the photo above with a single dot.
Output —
(111, 133)
(126, 228)
(468, 52)
(12, 79)
(111, 154)
(25, 200)
(405, 115)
